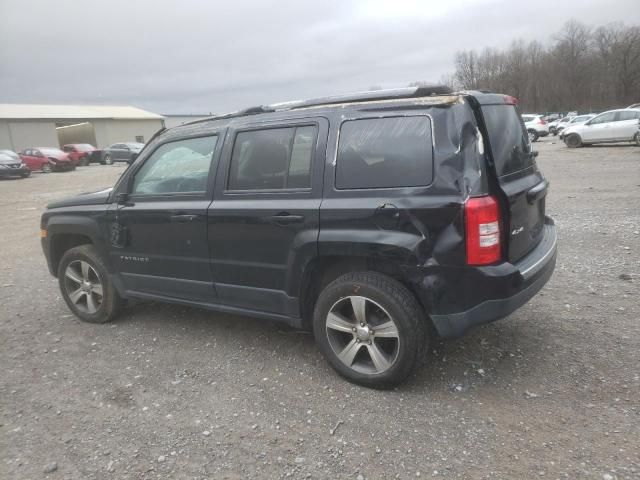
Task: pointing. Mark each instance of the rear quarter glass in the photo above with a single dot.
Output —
(507, 138)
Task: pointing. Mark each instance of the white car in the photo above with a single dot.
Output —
(579, 120)
(561, 122)
(535, 125)
(612, 126)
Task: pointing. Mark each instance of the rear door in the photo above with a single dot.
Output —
(264, 221)
(626, 124)
(522, 184)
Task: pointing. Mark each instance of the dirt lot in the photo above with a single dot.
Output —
(170, 392)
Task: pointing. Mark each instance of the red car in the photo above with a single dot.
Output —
(46, 159)
(79, 153)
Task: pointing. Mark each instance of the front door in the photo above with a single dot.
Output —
(264, 220)
(599, 128)
(159, 235)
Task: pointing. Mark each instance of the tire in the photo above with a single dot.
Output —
(82, 272)
(26, 174)
(385, 301)
(573, 140)
(533, 135)
(553, 131)
(46, 168)
(108, 160)
(636, 139)
(84, 161)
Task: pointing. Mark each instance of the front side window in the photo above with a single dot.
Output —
(604, 118)
(385, 153)
(177, 167)
(272, 159)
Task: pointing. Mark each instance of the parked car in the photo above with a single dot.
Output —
(121, 152)
(46, 159)
(553, 126)
(612, 126)
(635, 105)
(12, 166)
(578, 120)
(536, 126)
(79, 153)
(342, 215)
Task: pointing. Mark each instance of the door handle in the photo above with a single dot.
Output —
(286, 219)
(183, 218)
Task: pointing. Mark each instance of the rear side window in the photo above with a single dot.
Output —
(628, 115)
(508, 139)
(273, 159)
(385, 153)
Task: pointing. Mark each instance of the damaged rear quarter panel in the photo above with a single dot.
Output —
(420, 228)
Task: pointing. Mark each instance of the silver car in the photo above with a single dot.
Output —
(612, 126)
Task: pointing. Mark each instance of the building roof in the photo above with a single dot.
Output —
(59, 112)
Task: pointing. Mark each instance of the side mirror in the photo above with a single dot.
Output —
(122, 198)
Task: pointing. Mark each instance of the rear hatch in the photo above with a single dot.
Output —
(522, 185)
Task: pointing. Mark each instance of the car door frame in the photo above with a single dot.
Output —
(176, 203)
(272, 302)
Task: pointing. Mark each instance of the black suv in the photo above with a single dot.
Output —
(377, 220)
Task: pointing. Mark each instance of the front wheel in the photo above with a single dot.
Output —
(86, 287)
(26, 174)
(108, 160)
(370, 328)
(46, 168)
(637, 139)
(533, 135)
(573, 140)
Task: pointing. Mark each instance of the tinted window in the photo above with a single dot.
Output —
(604, 118)
(508, 139)
(272, 159)
(385, 153)
(527, 118)
(177, 167)
(628, 115)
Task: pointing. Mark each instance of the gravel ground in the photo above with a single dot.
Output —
(170, 392)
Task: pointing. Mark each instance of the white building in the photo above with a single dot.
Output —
(24, 126)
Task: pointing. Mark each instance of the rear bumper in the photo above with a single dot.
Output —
(518, 283)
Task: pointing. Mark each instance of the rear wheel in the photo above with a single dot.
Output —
(370, 328)
(26, 174)
(108, 160)
(86, 287)
(573, 140)
(46, 168)
(533, 135)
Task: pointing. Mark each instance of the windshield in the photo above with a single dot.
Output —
(582, 118)
(508, 139)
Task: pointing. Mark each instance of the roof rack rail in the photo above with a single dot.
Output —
(367, 96)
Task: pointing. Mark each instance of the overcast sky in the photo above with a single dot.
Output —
(172, 56)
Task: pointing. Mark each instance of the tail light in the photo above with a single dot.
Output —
(482, 220)
(541, 121)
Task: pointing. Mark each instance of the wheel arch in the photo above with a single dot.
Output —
(323, 270)
(66, 233)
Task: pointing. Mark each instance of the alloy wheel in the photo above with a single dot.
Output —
(83, 286)
(362, 335)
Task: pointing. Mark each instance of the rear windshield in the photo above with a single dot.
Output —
(509, 143)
